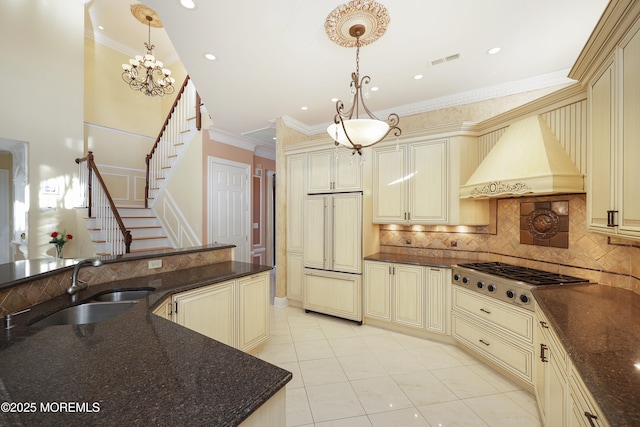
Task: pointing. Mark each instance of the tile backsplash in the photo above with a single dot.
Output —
(29, 294)
(609, 261)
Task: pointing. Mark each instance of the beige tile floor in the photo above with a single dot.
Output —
(350, 375)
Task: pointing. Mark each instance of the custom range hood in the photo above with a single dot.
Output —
(527, 160)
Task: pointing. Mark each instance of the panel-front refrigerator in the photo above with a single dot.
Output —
(333, 254)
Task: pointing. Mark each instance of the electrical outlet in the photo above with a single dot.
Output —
(155, 263)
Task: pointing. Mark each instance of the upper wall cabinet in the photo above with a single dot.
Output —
(418, 182)
(614, 152)
(333, 170)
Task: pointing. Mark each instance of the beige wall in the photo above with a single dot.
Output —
(43, 106)
(111, 103)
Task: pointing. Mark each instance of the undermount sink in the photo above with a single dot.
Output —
(126, 295)
(91, 312)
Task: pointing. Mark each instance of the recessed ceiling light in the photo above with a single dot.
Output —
(418, 77)
(210, 56)
(100, 27)
(375, 89)
(334, 100)
(493, 50)
(304, 108)
(188, 4)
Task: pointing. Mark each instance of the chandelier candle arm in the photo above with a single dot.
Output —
(348, 128)
(146, 74)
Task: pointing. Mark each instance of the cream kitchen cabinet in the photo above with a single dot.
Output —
(235, 312)
(295, 276)
(295, 181)
(418, 181)
(498, 331)
(584, 410)
(210, 310)
(614, 152)
(253, 311)
(336, 294)
(407, 295)
(333, 170)
(562, 397)
(551, 386)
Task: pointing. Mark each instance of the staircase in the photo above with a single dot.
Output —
(146, 231)
(117, 230)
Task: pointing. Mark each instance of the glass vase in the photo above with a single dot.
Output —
(59, 251)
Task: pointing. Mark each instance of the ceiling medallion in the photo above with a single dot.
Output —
(140, 12)
(368, 13)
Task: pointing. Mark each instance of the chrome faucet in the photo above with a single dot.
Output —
(79, 285)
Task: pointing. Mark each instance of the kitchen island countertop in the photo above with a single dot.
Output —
(598, 327)
(134, 369)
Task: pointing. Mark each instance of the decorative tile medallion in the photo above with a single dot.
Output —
(545, 223)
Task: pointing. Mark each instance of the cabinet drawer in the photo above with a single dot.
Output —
(516, 359)
(513, 321)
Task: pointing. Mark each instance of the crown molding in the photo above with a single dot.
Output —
(512, 88)
(124, 49)
(259, 149)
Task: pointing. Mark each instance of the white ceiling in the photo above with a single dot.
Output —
(273, 56)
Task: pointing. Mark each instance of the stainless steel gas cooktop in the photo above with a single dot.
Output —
(507, 282)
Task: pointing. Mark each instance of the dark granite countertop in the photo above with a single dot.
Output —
(17, 272)
(600, 330)
(135, 369)
(426, 261)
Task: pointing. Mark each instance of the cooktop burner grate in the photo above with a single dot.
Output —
(523, 274)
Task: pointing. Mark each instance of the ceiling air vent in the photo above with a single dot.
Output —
(446, 59)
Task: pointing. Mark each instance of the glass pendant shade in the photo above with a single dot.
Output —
(363, 132)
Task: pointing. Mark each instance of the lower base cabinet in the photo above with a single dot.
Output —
(235, 312)
(500, 332)
(408, 295)
(336, 294)
(563, 399)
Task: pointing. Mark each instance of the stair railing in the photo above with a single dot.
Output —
(100, 206)
(164, 148)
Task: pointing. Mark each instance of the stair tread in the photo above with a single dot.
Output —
(150, 249)
(140, 227)
(149, 238)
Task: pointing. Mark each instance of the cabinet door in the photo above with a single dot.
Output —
(427, 178)
(438, 300)
(540, 343)
(209, 310)
(319, 179)
(315, 229)
(556, 392)
(601, 196)
(408, 295)
(629, 155)
(253, 296)
(347, 174)
(346, 230)
(164, 310)
(377, 290)
(337, 294)
(295, 276)
(389, 180)
(584, 412)
(295, 202)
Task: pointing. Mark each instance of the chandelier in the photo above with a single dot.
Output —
(343, 25)
(145, 73)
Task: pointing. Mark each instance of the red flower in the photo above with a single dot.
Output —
(69, 237)
(54, 234)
